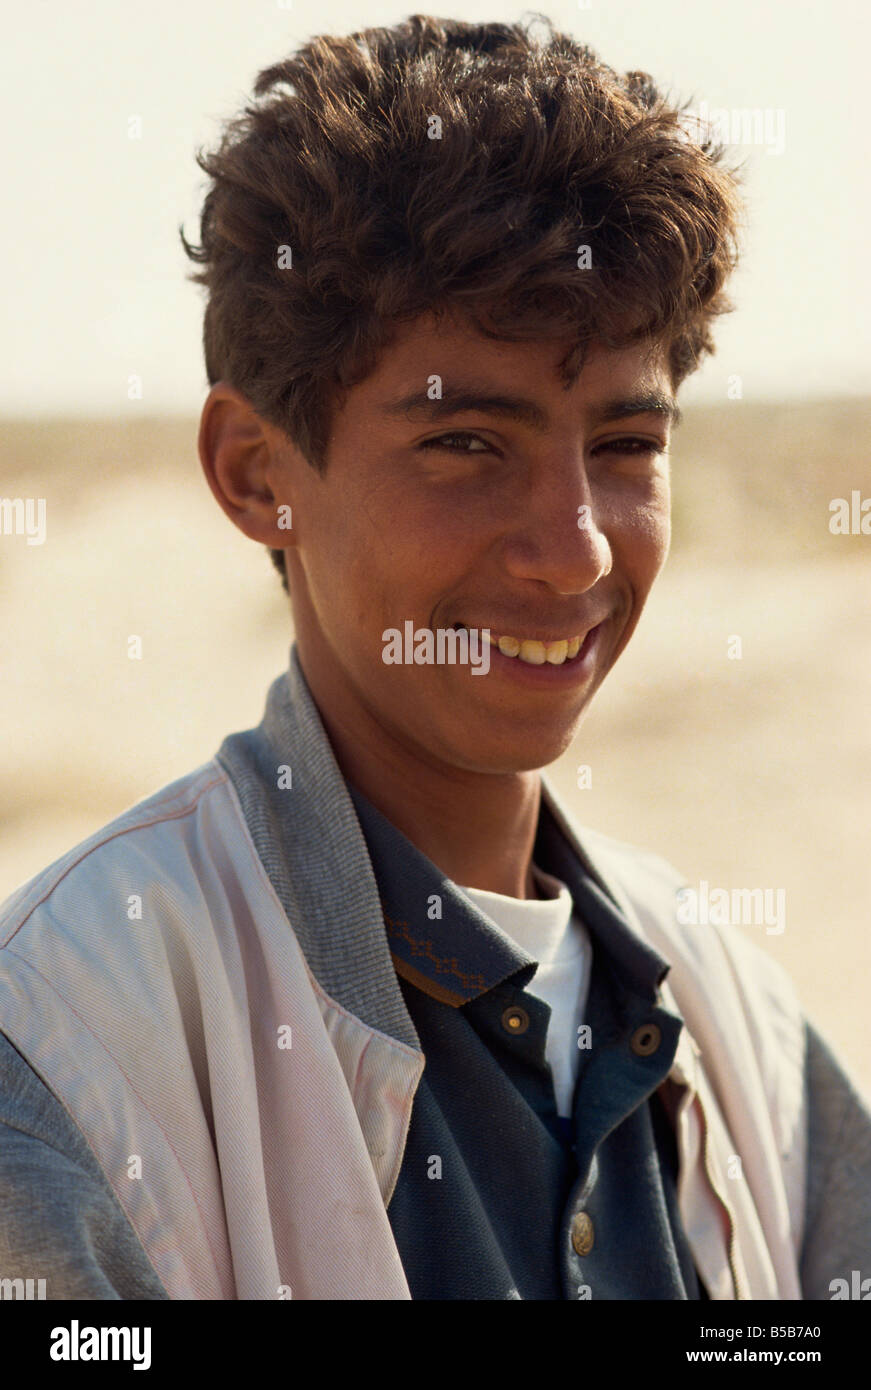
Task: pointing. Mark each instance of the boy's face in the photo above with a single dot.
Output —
(473, 518)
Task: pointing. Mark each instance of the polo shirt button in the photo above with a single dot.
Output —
(645, 1039)
(515, 1019)
(582, 1233)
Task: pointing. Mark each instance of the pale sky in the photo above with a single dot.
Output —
(94, 273)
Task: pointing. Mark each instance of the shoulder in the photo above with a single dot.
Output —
(654, 887)
(161, 844)
(133, 923)
(725, 983)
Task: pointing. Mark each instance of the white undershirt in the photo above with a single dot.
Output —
(549, 931)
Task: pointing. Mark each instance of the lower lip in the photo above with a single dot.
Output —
(548, 676)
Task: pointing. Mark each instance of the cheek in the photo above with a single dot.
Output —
(417, 540)
(339, 556)
(658, 529)
(654, 510)
(642, 537)
(373, 560)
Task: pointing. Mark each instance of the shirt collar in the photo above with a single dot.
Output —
(441, 943)
(631, 959)
(438, 939)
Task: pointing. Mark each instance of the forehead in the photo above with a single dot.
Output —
(452, 349)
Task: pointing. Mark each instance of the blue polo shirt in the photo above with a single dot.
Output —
(497, 1196)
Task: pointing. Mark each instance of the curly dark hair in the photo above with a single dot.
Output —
(442, 165)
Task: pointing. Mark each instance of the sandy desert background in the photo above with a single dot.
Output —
(746, 773)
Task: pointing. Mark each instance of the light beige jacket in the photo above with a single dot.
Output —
(150, 976)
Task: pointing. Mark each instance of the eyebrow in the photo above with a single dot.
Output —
(456, 399)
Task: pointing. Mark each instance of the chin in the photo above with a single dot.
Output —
(529, 754)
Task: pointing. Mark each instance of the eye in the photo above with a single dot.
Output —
(631, 445)
(456, 443)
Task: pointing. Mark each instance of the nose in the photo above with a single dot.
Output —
(560, 540)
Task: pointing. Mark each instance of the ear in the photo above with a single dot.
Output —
(246, 463)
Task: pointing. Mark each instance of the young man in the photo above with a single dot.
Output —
(355, 1010)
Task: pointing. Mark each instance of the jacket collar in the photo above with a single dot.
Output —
(293, 796)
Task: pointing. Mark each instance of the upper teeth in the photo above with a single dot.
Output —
(535, 652)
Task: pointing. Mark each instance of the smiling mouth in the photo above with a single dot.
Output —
(531, 650)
